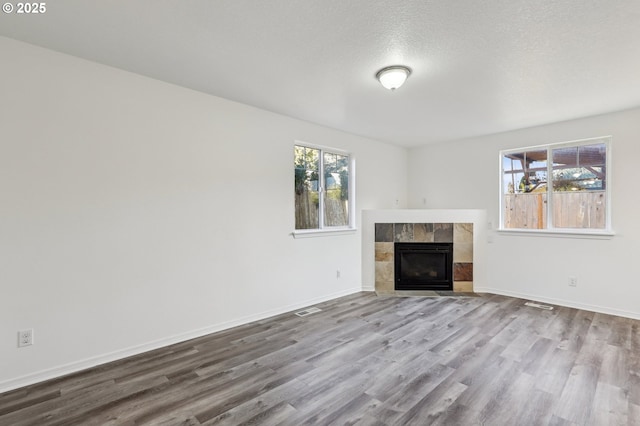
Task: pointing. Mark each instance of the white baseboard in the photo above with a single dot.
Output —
(559, 302)
(76, 366)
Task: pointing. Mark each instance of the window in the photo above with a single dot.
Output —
(323, 189)
(561, 187)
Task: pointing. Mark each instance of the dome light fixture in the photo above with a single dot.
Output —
(394, 76)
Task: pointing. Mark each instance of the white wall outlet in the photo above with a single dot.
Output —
(573, 281)
(25, 338)
(338, 273)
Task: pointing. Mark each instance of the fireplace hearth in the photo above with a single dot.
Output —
(423, 266)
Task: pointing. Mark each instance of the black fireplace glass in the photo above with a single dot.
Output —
(423, 266)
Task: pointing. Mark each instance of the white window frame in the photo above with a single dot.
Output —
(607, 231)
(323, 230)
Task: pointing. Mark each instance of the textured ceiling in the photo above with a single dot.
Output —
(479, 67)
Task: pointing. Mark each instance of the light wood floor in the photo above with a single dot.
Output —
(367, 360)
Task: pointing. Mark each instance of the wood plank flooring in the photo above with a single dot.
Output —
(367, 360)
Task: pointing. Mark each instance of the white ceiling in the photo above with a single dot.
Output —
(479, 67)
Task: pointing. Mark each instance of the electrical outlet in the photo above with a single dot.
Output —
(25, 338)
(338, 273)
(573, 281)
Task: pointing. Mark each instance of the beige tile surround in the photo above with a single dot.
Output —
(460, 234)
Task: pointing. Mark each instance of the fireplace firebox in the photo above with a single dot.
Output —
(423, 266)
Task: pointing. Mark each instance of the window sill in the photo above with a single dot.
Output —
(599, 234)
(312, 233)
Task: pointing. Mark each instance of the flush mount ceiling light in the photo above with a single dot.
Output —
(393, 77)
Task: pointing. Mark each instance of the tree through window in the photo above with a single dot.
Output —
(322, 191)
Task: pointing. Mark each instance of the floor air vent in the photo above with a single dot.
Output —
(308, 311)
(539, 306)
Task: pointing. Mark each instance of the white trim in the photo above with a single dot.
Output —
(577, 142)
(560, 302)
(325, 232)
(320, 147)
(352, 191)
(52, 373)
(560, 233)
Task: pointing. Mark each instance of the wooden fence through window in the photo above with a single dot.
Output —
(576, 209)
(336, 212)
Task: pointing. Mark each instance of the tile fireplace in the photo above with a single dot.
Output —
(439, 256)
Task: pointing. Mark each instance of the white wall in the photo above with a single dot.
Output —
(135, 213)
(465, 174)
